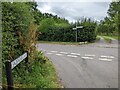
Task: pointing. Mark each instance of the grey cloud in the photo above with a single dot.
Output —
(76, 10)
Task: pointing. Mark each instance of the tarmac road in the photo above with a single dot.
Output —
(84, 66)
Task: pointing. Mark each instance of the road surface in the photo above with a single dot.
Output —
(84, 66)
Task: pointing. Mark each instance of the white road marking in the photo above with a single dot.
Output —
(71, 56)
(86, 57)
(75, 54)
(49, 53)
(59, 54)
(64, 52)
(105, 59)
(54, 51)
(89, 55)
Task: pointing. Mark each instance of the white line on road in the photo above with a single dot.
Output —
(71, 56)
(105, 59)
(89, 55)
(59, 54)
(86, 57)
(49, 53)
(64, 52)
(75, 54)
(54, 51)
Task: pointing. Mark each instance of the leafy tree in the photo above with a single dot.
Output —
(111, 25)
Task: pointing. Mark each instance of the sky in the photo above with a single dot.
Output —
(74, 10)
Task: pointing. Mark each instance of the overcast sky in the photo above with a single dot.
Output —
(75, 10)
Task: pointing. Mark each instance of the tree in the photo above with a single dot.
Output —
(111, 24)
(114, 14)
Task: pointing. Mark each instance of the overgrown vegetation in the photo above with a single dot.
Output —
(19, 34)
(41, 74)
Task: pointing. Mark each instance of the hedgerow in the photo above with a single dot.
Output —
(19, 34)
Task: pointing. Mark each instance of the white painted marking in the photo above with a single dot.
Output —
(89, 55)
(59, 54)
(71, 56)
(105, 59)
(86, 57)
(54, 51)
(49, 53)
(64, 52)
(75, 54)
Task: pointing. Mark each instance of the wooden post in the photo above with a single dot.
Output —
(9, 75)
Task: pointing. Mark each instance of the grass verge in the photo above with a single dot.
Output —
(63, 43)
(107, 39)
(97, 39)
(41, 74)
(114, 37)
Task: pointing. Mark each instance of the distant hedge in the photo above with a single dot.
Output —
(87, 33)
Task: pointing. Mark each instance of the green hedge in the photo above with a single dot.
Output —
(16, 24)
(87, 33)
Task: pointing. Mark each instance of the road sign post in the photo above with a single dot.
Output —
(9, 75)
(11, 65)
(76, 30)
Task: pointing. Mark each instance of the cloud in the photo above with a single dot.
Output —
(75, 10)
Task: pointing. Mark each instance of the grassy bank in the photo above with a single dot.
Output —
(41, 74)
(97, 39)
(114, 37)
(63, 43)
(108, 40)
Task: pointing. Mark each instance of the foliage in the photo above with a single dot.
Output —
(16, 21)
(88, 32)
(53, 30)
(111, 24)
(19, 34)
(41, 75)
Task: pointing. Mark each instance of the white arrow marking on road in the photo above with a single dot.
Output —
(64, 52)
(49, 53)
(75, 54)
(105, 59)
(89, 55)
(71, 56)
(54, 51)
(59, 54)
(86, 57)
